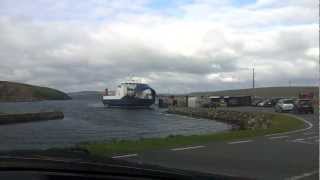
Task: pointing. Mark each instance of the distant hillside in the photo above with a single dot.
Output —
(84, 93)
(12, 91)
(263, 92)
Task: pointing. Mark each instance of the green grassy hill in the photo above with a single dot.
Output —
(12, 91)
(264, 92)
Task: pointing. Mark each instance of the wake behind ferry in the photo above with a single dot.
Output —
(130, 94)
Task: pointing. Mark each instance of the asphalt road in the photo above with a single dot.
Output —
(293, 155)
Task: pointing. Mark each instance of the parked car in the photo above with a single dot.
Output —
(284, 105)
(265, 103)
(275, 100)
(303, 106)
(256, 102)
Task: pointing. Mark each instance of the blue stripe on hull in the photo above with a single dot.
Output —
(128, 102)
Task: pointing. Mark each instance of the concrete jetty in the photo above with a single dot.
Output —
(29, 117)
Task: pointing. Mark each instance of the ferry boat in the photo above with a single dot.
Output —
(130, 94)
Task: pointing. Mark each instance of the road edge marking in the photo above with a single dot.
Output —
(187, 148)
(238, 142)
(308, 133)
(312, 137)
(310, 125)
(278, 137)
(304, 175)
(124, 156)
(301, 141)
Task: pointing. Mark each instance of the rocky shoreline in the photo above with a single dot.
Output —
(29, 117)
(240, 120)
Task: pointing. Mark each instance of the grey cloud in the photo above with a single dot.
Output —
(53, 10)
(65, 56)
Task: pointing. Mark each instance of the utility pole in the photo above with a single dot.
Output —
(253, 83)
(253, 80)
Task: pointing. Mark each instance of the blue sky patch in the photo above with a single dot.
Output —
(242, 2)
(167, 4)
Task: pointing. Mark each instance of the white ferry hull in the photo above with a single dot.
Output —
(135, 98)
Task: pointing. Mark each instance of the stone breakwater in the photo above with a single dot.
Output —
(242, 120)
(30, 117)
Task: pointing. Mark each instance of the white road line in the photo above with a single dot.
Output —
(308, 133)
(303, 175)
(312, 137)
(125, 156)
(301, 139)
(238, 142)
(279, 137)
(303, 142)
(310, 125)
(187, 148)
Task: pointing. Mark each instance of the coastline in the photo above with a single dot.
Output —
(279, 123)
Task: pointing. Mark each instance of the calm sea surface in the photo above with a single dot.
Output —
(86, 119)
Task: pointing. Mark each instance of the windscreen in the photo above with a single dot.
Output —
(227, 87)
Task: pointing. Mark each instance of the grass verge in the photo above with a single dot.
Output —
(280, 123)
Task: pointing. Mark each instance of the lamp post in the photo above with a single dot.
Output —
(253, 83)
(253, 80)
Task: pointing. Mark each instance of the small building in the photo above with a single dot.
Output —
(172, 100)
(194, 101)
(182, 101)
(216, 101)
(162, 103)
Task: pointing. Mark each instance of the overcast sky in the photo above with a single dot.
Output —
(175, 46)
